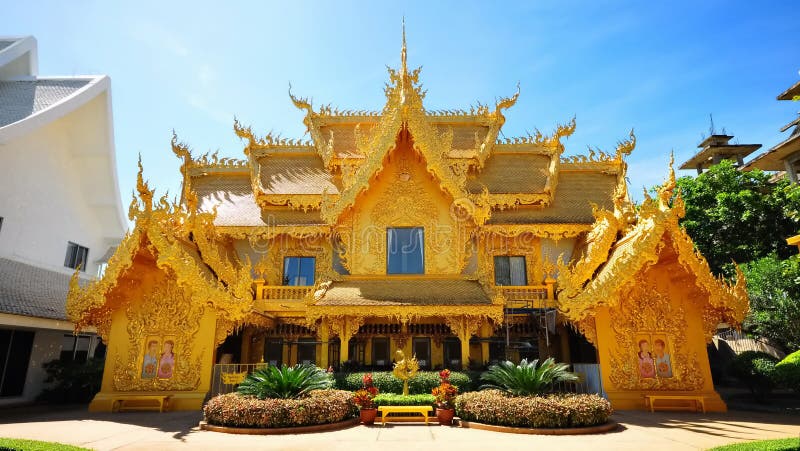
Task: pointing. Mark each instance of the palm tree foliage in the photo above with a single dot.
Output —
(285, 382)
(527, 378)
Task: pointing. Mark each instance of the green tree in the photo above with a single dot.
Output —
(774, 288)
(739, 216)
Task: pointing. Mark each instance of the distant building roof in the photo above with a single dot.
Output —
(32, 291)
(716, 148)
(6, 42)
(21, 99)
(789, 94)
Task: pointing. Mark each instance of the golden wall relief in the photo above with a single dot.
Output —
(274, 251)
(524, 244)
(162, 353)
(649, 349)
(405, 195)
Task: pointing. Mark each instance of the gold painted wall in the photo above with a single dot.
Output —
(655, 308)
(153, 309)
(404, 194)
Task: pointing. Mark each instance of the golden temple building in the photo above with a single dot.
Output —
(406, 229)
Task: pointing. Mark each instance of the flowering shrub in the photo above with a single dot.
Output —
(552, 411)
(364, 396)
(445, 393)
(318, 407)
(424, 381)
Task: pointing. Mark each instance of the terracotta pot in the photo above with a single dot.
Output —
(445, 416)
(368, 415)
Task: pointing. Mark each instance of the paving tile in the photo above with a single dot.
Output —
(178, 431)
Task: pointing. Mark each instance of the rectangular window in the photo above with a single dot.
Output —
(75, 348)
(298, 271)
(77, 256)
(307, 351)
(421, 348)
(334, 348)
(380, 352)
(273, 351)
(452, 353)
(356, 350)
(1, 223)
(510, 270)
(15, 353)
(405, 250)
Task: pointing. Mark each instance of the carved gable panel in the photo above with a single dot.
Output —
(404, 194)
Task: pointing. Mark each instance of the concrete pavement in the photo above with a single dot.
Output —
(178, 430)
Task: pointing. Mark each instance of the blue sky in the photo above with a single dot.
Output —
(657, 67)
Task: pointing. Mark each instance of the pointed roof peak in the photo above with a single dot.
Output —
(404, 51)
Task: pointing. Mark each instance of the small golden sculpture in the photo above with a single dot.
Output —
(405, 369)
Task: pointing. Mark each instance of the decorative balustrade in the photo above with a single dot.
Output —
(529, 296)
(281, 292)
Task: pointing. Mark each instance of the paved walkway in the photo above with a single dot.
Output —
(178, 430)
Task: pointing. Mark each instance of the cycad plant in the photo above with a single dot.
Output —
(284, 382)
(527, 378)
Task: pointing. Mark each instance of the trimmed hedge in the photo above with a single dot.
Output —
(391, 399)
(787, 371)
(319, 407)
(422, 383)
(551, 411)
(756, 370)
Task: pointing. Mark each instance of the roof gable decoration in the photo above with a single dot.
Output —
(183, 243)
(404, 111)
(639, 248)
(192, 167)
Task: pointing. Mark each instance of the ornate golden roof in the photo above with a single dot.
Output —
(584, 287)
(405, 291)
(513, 180)
(174, 237)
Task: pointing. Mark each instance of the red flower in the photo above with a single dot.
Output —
(363, 398)
(367, 380)
(445, 393)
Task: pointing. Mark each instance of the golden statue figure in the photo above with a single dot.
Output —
(405, 369)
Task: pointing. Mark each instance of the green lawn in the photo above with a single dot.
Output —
(784, 444)
(18, 444)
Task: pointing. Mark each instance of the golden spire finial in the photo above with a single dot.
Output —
(403, 52)
(668, 188)
(145, 193)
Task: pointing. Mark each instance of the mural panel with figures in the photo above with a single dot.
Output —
(158, 360)
(651, 351)
(653, 356)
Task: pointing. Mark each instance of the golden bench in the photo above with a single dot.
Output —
(385, 410)
(122, 403)
(699, 401)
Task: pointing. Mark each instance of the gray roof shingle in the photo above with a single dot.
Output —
(6, 43)
(32, 291)
(20, 99)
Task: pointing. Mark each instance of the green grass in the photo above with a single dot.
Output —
(784, 444)
(18, 444)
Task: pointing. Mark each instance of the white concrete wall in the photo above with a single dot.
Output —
(45, 178)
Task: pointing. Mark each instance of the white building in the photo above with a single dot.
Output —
(60, 206)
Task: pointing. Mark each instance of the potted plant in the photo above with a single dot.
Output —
(445, 393)
(363, 398)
